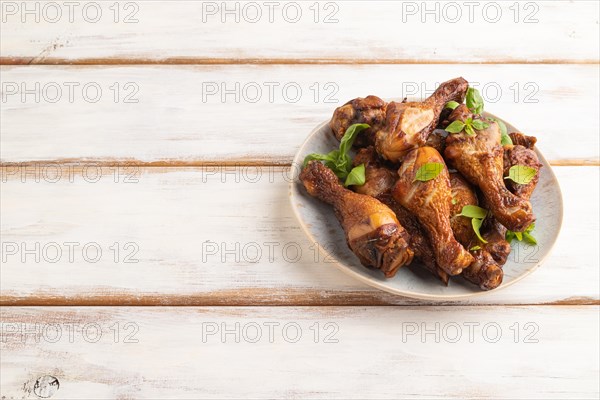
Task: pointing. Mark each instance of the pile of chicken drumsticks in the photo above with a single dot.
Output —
(437, 182)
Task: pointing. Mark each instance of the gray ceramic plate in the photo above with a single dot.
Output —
(323, 229)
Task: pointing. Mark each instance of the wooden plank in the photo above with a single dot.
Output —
(340, 31)
(194, 115)
(359, 353)
(220, 236)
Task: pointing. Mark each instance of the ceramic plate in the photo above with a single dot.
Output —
(323, 229)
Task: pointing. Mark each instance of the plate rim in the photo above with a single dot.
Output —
(415, 295)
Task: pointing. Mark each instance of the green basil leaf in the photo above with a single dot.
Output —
(479, 124)
(476, 223)
(451, 105)
(317, 156)
(475, 248)
(502, 127)
(356, 176)
(343, 164)
(519, 236)
(454, 201)
(521, 174)
(339, 161)
(510, 235)
(472, 211)
(529, 238)
(505, 140)
(350, 135)
(469, 130)
(455, 127)
(474, 101)
(428, 172)
(530, 227)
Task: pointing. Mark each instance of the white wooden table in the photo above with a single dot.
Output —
(148, 245)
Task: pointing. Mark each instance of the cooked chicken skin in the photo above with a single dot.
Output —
(495, 235)
(419, 241)
(369, 110)
(437, 140)
(408, 124)
(521, 155)
(479, 158)
(518, 154)
(379, 181)
(460, 113)
(372, 230)
(430, 202)
(484, 271)
(523, 140)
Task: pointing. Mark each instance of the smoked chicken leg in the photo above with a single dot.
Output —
(484, 271)
(519, 153)
(379, 181)
(430, 202)
(479, 158)
(372, 231)
(408, 124)
(369, 110)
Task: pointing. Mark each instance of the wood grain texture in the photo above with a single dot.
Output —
(359, 353)
(342, 31)
(194, 115)
(216, 236)
(164, 193)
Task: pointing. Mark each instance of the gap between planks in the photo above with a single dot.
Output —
(24, 61)
(267, 298)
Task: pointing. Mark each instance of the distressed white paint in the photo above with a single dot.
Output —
(177, 119)
(187, 223)
(383, 30)
(554, 355)
(172, 211)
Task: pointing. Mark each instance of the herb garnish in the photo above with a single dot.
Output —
(469, 126)
(428, 171)
(475, 104)
(339, 160)
(520, 236)
(451, 105)
(477, 215)
(474, 101)
(505, 138)
(521, 174)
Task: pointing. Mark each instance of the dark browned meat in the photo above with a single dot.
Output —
(484, 271)
(523, 140)
(419, 241)
(479, 158)
(521, 155)
(430, 202)
(495, 233)
(379, 181)
(437, 140)
(460, 113)
(408, 124)
(372, 230)
(518, 154)
(369, 110)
